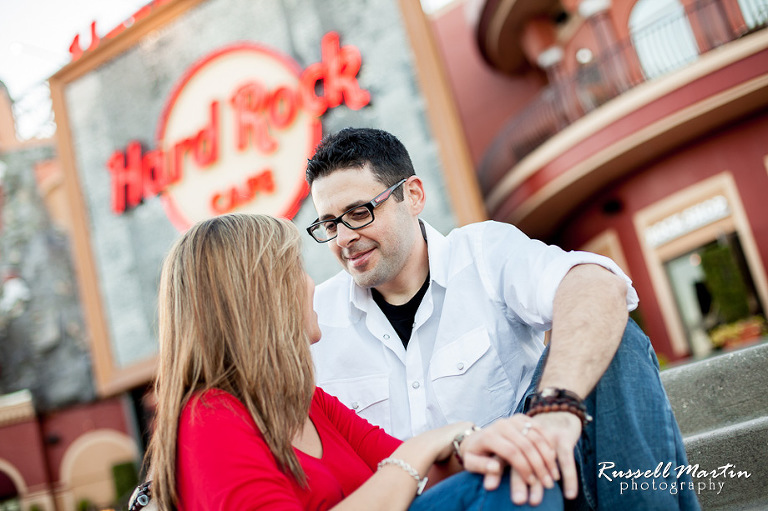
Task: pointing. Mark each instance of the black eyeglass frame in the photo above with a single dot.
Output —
(371, 205)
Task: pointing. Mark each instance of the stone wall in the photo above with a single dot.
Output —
(43, 344)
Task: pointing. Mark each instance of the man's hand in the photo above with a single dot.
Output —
(561, 430)
(520, 442)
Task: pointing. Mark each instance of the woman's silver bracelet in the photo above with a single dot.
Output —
(421, 483)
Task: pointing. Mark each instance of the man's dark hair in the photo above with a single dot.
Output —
(355, 147)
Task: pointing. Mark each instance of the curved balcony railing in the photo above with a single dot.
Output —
(662, 45)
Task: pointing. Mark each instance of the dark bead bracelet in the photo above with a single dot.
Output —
(558, 400)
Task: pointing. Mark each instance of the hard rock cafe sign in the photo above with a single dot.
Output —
(236, 132)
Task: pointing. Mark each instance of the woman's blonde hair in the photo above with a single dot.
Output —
(231, 316)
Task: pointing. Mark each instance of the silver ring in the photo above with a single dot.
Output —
(526, 428)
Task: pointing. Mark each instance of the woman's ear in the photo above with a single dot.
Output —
(413, 190)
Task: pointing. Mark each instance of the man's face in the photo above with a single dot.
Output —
(375, 254)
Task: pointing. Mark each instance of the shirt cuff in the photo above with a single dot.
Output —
(556, 271)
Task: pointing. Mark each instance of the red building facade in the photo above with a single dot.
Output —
(634, 129)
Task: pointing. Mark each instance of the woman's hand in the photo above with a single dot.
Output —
(562, 430)
(444, 438)
(520, 442)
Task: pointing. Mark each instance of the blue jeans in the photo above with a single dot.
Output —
(465, 492)
(633, 429)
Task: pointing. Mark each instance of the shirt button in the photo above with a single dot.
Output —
(386, 337)
(460, 366)
(415, 385)
(355, 405)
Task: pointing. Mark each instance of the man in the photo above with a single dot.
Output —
(421, 329)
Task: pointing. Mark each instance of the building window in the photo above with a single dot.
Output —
(715, 295)
(662, 36)
(755, 12)
(699, 246)
(9, 494)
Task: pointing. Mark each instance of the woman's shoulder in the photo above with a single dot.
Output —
(323, 400)
(328, 405)
(213, 405)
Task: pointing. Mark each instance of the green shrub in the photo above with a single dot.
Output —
(126, 478)
(725, 282)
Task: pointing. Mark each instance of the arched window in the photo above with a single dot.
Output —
(662, 36)
(12, 488)
(9, 494)
(755, 12)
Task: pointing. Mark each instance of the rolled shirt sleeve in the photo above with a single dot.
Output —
(525, 273)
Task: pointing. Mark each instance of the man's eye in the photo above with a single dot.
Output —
(330, 227)
(359, 214)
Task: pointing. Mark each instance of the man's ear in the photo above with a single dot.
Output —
(413, 190)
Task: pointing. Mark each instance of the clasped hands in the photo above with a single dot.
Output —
(538, 449)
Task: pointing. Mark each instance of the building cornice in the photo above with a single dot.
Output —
(16, 407)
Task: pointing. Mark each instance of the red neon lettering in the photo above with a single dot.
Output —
(283, 105)
(224, 202)
(341, 68)
(126, 178)
(94, 37)
(141, 13)
(115, 31)
(263, 182)
(149, 175)
(180, 149)
(75, 51)
(249, 102)
(257, 111)
(204, 146)
(314, 104)
(338, 70)
(154, 178)
(218, 206)
(207, 140)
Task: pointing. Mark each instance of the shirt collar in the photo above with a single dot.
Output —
(359, 298)
(437, 248)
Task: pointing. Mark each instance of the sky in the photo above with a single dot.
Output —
(32, 49)
(35, 36)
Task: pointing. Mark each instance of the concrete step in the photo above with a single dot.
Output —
(745, 447)
(719, 391)
(721, 404)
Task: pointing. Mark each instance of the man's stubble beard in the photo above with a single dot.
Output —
(388, 267)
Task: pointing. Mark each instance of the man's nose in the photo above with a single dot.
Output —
(345, 235)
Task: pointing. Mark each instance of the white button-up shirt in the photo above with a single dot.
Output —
(477, 335)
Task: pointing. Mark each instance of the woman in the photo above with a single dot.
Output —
(240, 423)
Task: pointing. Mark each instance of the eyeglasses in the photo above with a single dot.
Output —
(354, 218)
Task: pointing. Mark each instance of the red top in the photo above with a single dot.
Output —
(224, 462)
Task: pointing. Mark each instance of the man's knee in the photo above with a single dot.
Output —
(635, 341)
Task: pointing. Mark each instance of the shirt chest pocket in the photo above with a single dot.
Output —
(469, 381)
(368, 396)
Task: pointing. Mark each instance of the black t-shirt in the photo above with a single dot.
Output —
(401, 316)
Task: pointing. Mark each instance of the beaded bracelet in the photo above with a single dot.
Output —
(558, 400)
(421, 483)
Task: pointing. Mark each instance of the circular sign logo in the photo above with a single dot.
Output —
(235, 138)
